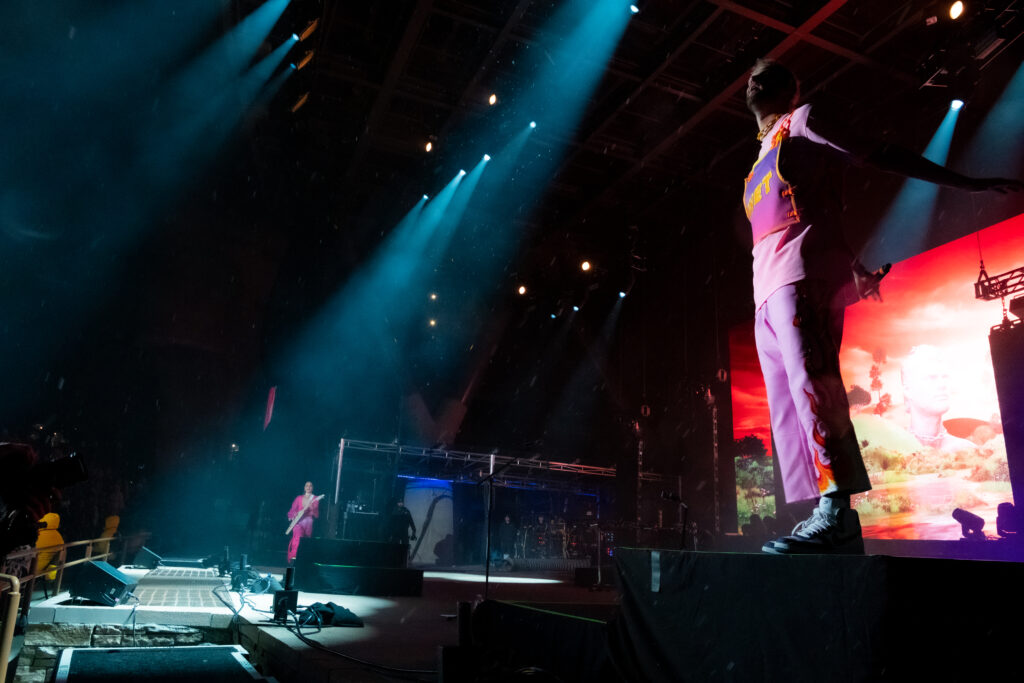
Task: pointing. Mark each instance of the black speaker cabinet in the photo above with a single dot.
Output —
(99, 582)
(146, 558)
(1007, 344)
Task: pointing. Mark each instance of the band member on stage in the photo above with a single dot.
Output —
(804, 276)
(306, 507)
(398, 522)
(507, 538)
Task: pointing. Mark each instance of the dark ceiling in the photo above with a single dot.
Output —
(648, 189)
(650, 182)
(668, 120)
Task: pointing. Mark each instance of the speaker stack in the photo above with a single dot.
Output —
(99, 582)
(351, 567)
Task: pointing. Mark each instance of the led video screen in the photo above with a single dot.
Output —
(919, 377)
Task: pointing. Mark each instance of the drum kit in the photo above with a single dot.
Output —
(556, 539)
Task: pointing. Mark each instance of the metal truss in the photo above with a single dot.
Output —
(512, 472)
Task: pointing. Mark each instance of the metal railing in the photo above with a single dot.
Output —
(61, 551)
(15, 588)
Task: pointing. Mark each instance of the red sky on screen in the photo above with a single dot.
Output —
(928, 299)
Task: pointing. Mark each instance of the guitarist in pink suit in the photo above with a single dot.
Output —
(305, 508)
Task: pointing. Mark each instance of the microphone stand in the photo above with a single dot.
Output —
(684, 508)
(489, 480)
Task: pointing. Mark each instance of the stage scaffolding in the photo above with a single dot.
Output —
(472, 467)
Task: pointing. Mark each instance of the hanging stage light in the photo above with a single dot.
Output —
(492, 100)
(634, 9)
(522, 289)
(300, 102)
(585, 266)
(487, 157)
(956, 10)
(956, 105)
(429, 146)
(308, 31)
(306, 59)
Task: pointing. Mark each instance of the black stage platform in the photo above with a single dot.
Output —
(746, 617)
(698, 616)
(349, 567)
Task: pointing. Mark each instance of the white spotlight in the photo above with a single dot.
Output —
(622, 295)
(956, 10)
(956, 105)
(492, 99)
(585, 266)
(429, 146)
(425, 197)
(634, 9)
(522, 289)
(576, 308)
(487, 157)
(462, 172)
(533, 124)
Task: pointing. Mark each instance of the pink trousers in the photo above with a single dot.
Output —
(798, 332)
(304, 529)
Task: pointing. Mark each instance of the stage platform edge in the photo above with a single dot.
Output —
(700, 616)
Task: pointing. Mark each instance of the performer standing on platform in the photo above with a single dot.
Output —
(398, 523)
(804, 276)
(507, 538)
(305, 507)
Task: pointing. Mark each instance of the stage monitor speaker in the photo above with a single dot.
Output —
(146, 558)
(1007, 344)
(99, 582)
(285, 602)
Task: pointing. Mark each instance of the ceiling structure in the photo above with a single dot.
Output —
(653, 173)
(648, 189)
(667, 120)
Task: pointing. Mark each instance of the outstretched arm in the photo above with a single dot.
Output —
(899, 160)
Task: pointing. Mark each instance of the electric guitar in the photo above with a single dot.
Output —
(296, 518)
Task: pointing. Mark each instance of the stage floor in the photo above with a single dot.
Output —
(404, 632)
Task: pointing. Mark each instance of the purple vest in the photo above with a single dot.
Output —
(767, 197)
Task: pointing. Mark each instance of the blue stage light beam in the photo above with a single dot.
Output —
(227, 58)
(559, 76)
(445, 228)
(357, 340)
(903, 230)
(363, 339)
(578, 400)
(77, 113)
(269, 92)
(997, 148)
